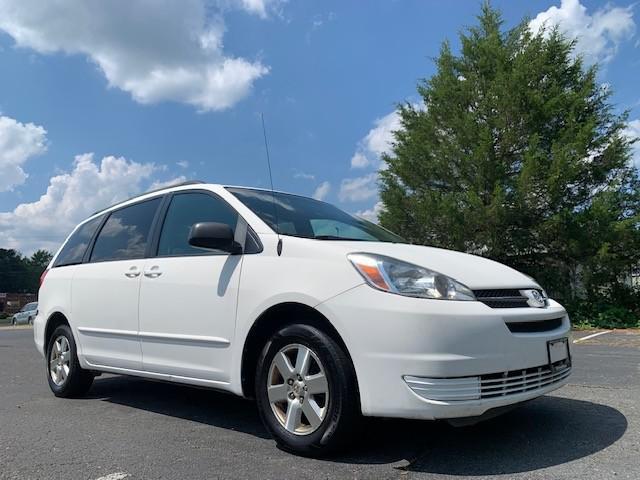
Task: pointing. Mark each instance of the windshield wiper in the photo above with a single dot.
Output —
(335, 237)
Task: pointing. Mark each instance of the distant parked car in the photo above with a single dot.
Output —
(26, 314)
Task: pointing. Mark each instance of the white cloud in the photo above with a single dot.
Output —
(304, 176)
(633, 131)
(18, 143)
(598, 35)
(322, 191)
(183, 164)
(359, 188)
(260, 7)
(159, 50)
(167, 183)
(360, 160)
(372, 213)
(376, 142)
(71, 197)
(369, 151)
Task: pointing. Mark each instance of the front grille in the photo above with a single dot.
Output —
(502, 298)
(519, 381)
(535, 327)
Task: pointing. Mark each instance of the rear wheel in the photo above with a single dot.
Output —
(306, 391)
(66, 377)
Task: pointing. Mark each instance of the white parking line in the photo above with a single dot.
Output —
(591, 336)
(114, 476)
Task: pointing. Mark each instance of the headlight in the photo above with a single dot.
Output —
(395, 276)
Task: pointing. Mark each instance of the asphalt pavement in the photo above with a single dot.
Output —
(137, 429)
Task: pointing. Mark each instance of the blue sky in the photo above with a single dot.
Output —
(101, 100)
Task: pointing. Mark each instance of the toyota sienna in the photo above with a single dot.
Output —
(320, 316)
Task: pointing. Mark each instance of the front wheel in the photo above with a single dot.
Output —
(306, 391)
(66, 377)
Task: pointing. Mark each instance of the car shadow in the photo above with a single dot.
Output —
(201, 405)
(542, 433)
(539, 434)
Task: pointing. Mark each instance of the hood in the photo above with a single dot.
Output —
(473, 271)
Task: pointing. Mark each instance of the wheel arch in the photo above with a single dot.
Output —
(271, 320)
(54, 321)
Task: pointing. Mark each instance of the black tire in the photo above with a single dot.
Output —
(30, 321)
(78, 381)
(343, 408)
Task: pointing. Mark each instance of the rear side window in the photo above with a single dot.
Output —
(75, 248)
(185, 210)
(125, 234)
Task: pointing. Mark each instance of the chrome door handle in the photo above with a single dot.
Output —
(153, 272)
(132, 273)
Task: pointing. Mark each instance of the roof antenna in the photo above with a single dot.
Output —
(273, 195)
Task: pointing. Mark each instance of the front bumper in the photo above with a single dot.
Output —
(396, 342)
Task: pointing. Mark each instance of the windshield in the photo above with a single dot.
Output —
(308, 218)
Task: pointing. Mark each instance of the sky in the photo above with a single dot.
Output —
(103, 100)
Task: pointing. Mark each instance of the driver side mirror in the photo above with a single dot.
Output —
(214, 236)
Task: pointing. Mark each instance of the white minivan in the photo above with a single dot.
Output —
(320, 316)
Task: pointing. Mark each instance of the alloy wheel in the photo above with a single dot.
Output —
(297, 389)
(59, 360)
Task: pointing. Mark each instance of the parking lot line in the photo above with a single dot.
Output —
(593, 335)
(114, 476)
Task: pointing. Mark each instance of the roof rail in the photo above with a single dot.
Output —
(180, 184)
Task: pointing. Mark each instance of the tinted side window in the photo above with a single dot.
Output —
(185, 210)
(76, 246)
(125, 234)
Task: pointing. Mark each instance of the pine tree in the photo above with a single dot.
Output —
(518, 155)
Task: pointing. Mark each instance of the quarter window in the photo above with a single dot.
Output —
(125, 234)
(185, 210)
(73, 251)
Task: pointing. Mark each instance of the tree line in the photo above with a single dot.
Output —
(21, 274)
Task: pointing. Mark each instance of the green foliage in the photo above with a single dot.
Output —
(20, 274)
(517, 155)
(601, 315)
(615, 317)
(617, 307)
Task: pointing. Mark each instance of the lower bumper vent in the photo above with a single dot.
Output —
(491, 385)
(519, 381)
(535, 327)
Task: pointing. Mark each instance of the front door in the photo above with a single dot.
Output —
(188, 295)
